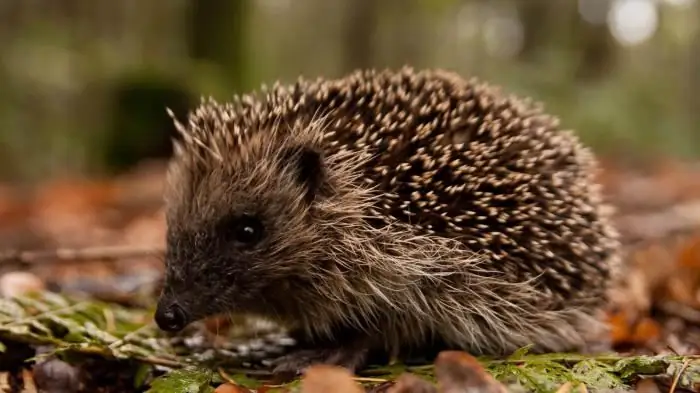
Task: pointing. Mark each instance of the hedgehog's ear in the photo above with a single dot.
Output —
(310, 170)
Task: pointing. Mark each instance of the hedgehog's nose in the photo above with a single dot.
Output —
(171, 317)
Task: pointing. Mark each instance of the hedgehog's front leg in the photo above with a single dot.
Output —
(349, 351)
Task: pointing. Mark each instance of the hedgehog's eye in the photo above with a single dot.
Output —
(248, 230)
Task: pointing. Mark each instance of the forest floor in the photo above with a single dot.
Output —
(99, 244)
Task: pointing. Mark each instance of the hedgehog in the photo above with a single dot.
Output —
(388, 212)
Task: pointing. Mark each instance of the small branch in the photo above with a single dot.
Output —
(54, 312)
(157, 361)
(372, 380)
(130, 336)
(227, 377)
(107, 353)
(678, 376)
(80, 254)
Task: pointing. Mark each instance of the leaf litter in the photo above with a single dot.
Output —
(101, 250)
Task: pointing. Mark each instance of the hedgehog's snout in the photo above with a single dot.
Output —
(171, 317)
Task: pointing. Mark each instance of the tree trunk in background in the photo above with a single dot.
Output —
(535, 16)
(597, 50)
(359, 33)
(693, 86)
(553, 24)
(10, 19)
(218, 35)
(594, 46)
(408, 38)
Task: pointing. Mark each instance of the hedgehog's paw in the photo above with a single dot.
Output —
(351, 358)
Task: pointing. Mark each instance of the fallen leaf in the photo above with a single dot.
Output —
(647, 385)
(625, 330)
(565, 388)
(13, 284)
(230, 388)
(409, 383)
(55, 375)
(328, 379)
(459, 372)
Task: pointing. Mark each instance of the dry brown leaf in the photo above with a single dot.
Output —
(55, 375)
(218, 326)
(329, 379)
(13, 211)
(230, 388)
(646, 331)
(565, 388)
(620, 329)
(658, 271)
(13, 284)
(73, 213)
(459, 372)
(647, 385)
(146, 230)
(409, 383)
(686, 283)
(624, 329)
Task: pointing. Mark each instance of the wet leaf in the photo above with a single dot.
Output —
(640, 365)
(142, 374)
(189, 380)
(598, 374)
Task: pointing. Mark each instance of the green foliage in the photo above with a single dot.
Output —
(77, 329)
(245, 381)
(189, 380)
(547, 372)
(88, 327)
(141, 375)
(643, 365)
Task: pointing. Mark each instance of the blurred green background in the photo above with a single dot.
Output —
(84, 83)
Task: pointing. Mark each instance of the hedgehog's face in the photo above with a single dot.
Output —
(238, 234)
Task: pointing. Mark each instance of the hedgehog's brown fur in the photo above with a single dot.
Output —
(398, 207)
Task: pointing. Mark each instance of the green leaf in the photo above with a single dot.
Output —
(520, 353)
(640, 365)
(189, 380)
(142, 374)
(596, 374)
(245, 381)
(73, 328)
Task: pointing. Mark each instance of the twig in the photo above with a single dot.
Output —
(54, 312)
(79, 254)
(129, 336)
(227, 377)
(367, 379)
(109, 319)
(678, 376)
(107, 353)
(157, 361)
(252, 372)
